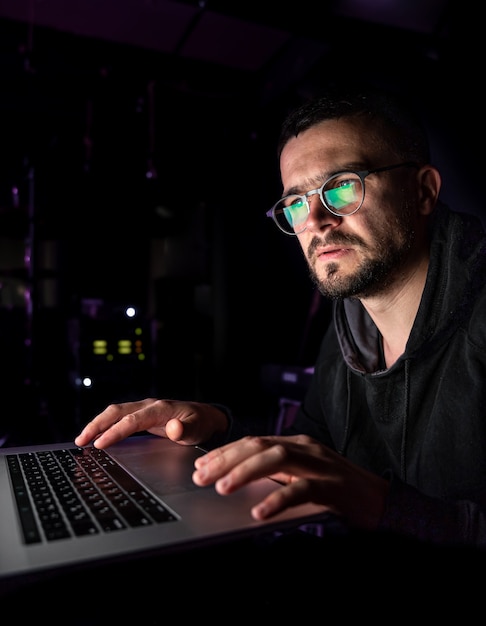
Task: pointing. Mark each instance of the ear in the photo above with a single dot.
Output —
(429, 184)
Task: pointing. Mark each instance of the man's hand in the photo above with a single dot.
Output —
(308, 471)
(187, 423)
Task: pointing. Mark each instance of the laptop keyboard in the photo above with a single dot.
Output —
(76, 492)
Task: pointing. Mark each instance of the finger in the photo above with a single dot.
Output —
(232, 453)
(261, 464)
(236, 464)
(100, 424)
(115, 422)
(126, 426)
(287, 496)
(174, 430)
(215, 454)
(188, 424)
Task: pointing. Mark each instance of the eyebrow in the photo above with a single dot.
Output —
(311, 183)
(317, 181)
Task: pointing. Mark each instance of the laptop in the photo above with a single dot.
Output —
(143, 502)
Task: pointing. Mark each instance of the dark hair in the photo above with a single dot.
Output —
(399, 123)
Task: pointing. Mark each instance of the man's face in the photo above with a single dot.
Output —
(359, 255)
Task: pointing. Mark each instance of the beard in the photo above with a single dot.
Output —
(387, 253)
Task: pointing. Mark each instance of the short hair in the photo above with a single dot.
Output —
(398, 121)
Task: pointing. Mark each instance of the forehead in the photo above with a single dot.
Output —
(329, 146)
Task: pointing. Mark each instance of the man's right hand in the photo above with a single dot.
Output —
(187, 423)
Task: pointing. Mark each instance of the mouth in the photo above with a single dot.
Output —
(330, 253)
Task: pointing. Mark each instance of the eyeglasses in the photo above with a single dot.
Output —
(342, 194)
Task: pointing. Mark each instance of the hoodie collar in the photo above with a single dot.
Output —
(456, 271)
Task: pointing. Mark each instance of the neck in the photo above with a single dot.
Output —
(394, 312)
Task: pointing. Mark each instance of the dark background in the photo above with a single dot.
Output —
(137, 161)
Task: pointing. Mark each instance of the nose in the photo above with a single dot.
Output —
(319, 216)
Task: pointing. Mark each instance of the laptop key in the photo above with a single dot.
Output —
(28, 522)
(79, 492)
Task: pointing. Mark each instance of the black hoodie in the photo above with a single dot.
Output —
(421, 422)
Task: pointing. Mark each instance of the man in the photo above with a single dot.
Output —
(391, 435)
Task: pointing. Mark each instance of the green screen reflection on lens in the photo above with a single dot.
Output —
(341, 197)
(296, 213)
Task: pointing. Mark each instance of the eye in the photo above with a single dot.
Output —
(295, 211)
(342, 192)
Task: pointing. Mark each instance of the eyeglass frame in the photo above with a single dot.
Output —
(362, 174)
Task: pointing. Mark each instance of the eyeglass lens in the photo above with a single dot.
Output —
(342, 195)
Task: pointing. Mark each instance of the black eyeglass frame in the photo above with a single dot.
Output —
(362, 174)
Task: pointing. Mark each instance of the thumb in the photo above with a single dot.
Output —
(195, 423)
(184, 431)
(174, 429)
